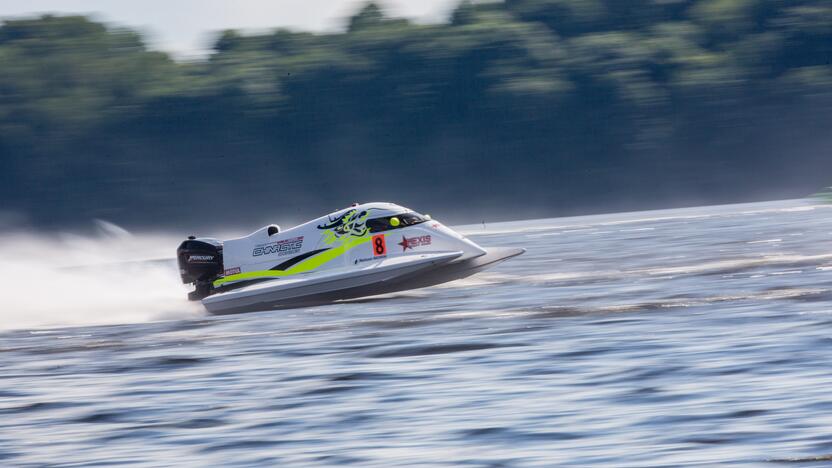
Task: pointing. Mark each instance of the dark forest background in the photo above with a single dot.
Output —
(510, 109)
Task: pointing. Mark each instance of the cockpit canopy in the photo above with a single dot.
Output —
(386, 223)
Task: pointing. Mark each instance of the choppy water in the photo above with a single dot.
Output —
(682, 337)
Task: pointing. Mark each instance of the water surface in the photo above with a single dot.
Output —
(694, 337)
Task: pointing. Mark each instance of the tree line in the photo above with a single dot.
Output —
(507, 109)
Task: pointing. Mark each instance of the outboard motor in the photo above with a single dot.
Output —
(200, 263)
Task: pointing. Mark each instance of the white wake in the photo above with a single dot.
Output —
(57, 279)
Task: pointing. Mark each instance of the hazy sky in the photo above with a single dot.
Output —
(186, 26)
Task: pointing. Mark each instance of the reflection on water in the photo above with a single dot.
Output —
(645, 339)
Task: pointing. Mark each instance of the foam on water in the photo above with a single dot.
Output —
(60, 279)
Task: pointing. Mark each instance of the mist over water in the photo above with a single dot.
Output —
(107, 277)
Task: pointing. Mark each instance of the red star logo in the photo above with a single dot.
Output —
(405, 243)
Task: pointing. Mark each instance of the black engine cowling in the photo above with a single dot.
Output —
(200, 263)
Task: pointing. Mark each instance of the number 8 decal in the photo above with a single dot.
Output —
(379, 245)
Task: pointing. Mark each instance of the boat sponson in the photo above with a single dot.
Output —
(311, 290)
(440, 269)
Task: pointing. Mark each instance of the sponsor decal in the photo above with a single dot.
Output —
(352, 223)
(379, 245)
(414, 242)
(281, 247)
(232, 271)
(200, 258)
(362, 260)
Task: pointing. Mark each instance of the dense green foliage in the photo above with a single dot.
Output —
(552, 106)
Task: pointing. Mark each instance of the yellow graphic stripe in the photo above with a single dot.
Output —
(301, 267)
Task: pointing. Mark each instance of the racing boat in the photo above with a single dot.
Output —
(364, 250)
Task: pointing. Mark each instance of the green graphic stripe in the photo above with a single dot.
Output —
(302, 267)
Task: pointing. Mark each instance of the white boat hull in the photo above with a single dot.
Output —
(396, 275)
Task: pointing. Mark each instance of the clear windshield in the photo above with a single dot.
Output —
(405, 219)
